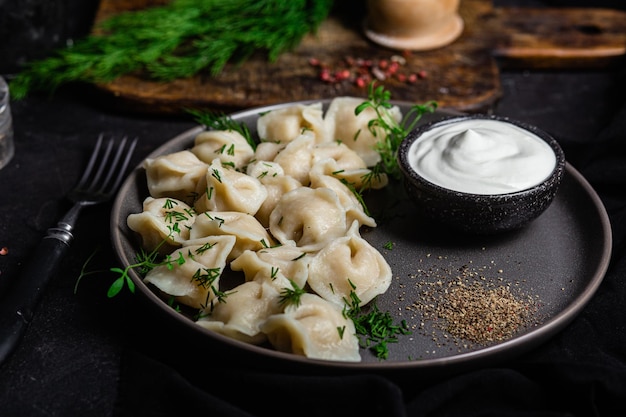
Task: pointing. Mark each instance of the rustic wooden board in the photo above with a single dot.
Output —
(462, 76)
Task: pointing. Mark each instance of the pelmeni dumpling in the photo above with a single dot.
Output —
(349, 264)
(297, 157)
(249, 233)
(175, 175)
(308, 218)
(314, 328)
(225, 189)
(262, 170)
(267, 151)
(228, 145)
(194, 271)
(245, 308)
(343, 124)
(276, 187)
(164, 224)
(352, 205)
(285, 124)
(277, 264)
(345, 158)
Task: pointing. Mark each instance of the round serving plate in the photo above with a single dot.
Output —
(558, 262)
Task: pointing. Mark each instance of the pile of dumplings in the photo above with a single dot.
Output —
(279, 215)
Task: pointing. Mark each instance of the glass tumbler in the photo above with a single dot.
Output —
(7, 147)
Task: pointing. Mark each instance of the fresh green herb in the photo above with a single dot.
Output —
(221, 121)
(341, 330)
(145, 262)
(274, 273)
(205, 277)
(220, 296)
(205, 248)
(357, 194)
(216, 174)
(84, 272)
(388, 245)
(176, 40)
(394, 132)
(291, 295)
(299, 257)
(374, 328)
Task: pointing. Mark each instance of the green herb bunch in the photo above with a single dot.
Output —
(393, 132)
(176, 40)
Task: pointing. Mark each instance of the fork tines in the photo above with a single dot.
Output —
(108, 165)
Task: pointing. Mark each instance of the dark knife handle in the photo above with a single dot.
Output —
(18, 305)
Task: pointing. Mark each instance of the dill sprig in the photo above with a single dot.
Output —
(379, 100)
(176, 40)
(375, 328)
(291, 295)
(221, 121)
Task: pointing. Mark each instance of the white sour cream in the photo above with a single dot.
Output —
(480, 156)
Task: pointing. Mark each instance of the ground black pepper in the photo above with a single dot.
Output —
(469, 307)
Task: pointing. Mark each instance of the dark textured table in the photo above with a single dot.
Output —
(88, 355)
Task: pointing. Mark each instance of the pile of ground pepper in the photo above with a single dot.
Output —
(473, 309)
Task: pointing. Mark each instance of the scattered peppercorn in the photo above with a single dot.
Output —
(361, 72)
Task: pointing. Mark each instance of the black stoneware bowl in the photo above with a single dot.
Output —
(479, 213)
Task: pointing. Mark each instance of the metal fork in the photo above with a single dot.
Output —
(102, 176)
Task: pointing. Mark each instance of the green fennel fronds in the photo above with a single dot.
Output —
(176, 40)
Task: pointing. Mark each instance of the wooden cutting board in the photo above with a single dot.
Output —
(462, 76)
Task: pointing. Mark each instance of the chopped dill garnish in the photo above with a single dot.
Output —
(374, 328)
(221, 121)
(291, 295)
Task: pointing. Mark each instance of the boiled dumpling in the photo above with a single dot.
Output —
(230, 146)
(262, 170)
(285, 124)
(175, 175)
(297, 157)
(163, 224)
(353, 206)
(276, 187)
(349, 264)
(277, 264)
(308, 218)
(344, 157)
(249, 233)
(244, 309)
(267, 151)
(225, 189)
(192, 274)
(351, 129)
(360, 178)
(314, 328)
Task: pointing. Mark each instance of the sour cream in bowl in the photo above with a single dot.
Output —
(481, 173)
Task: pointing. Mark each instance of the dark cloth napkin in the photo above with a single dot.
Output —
(579, 372)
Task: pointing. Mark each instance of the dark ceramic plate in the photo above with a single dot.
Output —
(558, 261)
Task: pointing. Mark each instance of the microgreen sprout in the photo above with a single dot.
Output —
(394, 132)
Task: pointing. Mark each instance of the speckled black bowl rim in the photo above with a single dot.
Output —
(415, 135)
(587, 214)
